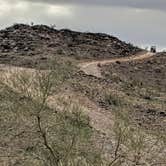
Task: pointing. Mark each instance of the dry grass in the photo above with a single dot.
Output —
(33, 133)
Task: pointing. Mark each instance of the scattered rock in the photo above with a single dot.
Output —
(21, 38)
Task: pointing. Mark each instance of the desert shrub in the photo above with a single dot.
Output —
(72, 137)
(112, 99)
(62, 137)
(134, 146)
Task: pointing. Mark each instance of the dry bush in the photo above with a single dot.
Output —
(134, 146)
(61, 137)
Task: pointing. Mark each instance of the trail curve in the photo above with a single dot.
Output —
(93, 67)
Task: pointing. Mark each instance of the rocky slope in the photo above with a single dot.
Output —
(150, 72)
(145, 81)
(129, 96)
(40, 40)
(137, 86)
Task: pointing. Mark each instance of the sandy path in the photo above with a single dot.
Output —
(92, 68)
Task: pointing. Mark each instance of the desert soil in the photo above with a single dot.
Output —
(93, 67)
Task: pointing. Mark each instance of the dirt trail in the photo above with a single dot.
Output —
(92, 68)
(100, 119)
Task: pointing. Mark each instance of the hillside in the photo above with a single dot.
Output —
(24, 44)
(56, 111)
(150, 72)
(137, 85)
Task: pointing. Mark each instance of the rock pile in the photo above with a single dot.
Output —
(22, 38)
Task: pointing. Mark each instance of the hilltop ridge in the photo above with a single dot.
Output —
(21, 39)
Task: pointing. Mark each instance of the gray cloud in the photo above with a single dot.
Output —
(132, 22)
(145, 4)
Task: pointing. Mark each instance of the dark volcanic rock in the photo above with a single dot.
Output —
(22, 38)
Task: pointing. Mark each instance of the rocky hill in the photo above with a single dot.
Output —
(64, 115)
(26, 40)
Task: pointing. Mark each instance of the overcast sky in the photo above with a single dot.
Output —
(142, 22)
